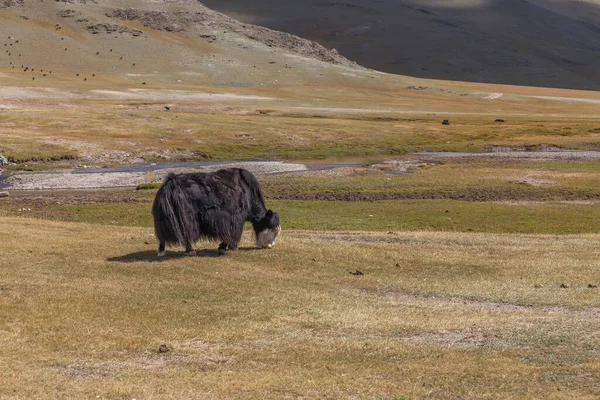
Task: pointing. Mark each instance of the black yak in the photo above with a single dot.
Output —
(215, 205)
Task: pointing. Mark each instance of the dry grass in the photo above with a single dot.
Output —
(106, 130)
(435, 315)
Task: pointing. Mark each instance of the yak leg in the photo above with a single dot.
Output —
(222, 248)
(232, 243)
(161, 250)
(189, 250)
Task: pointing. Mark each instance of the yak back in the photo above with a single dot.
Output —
(232, 190)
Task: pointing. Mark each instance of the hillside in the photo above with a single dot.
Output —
(548, 43)
(140, 41)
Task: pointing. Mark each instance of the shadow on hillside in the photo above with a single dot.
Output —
(150, 255)
(549, 43)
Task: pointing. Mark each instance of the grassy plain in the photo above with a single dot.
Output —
(470, 297)
(86, 308)
(154, 135)
(72, 125)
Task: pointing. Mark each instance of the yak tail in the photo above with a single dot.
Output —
(175, 220)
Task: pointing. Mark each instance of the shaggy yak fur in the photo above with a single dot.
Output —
(188, 207)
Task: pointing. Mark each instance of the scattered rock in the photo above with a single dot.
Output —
(3, 160)
(592, 285)
(11, 3)
(564, 285)
(112, 28)
(538, 286)
(164, 348)
(68, 13)
(445, 122)
(77, 1)
(210, 38)
(158, 20)
(355, 272)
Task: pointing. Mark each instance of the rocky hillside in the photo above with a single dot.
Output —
(175, 41)
(552, 43)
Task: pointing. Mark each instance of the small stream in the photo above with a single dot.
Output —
(44, 178)
(278, 167)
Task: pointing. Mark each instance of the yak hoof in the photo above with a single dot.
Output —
(161, 253)
(190, 253)
(222, 249)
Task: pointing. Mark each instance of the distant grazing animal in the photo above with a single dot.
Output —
(215, 205)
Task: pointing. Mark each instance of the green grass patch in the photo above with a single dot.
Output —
(389, 215)
(480, 179)
(148, 186)
(439, 215)
(27, 150)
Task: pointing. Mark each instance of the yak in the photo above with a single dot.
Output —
(213, 206)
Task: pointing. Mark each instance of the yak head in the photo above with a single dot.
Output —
(267, 229)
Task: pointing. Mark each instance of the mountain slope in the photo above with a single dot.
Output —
(552, 43)
(146, 41)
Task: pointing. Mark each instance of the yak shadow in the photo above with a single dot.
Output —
(150, 255)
